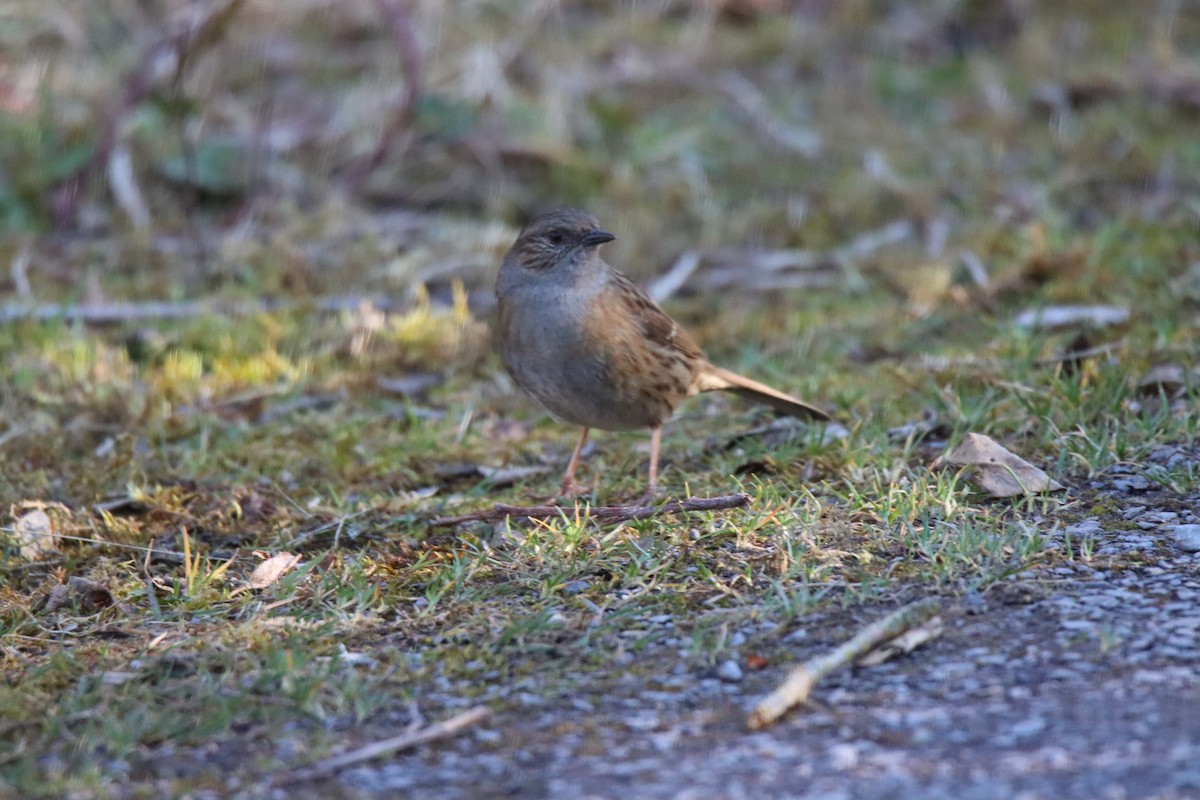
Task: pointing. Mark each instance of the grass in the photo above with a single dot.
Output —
(171, 456)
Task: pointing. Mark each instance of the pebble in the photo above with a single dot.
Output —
(729, 671)
(1132, 484)
(1187, 537)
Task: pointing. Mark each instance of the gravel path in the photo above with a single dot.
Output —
(1077, 681)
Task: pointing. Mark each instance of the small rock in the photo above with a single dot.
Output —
(1187, 537)
(1134, 483)
(729, 671)
(1027, 727)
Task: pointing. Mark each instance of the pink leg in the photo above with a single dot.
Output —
(652, 482)
(569, 488)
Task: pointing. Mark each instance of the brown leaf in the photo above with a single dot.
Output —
(87, 594)
(59, 596)
(755, 662)
(999, 472)
(272, 570)
(91, 595)
(1172, 380)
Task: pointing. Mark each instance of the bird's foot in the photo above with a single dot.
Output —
(570, 489)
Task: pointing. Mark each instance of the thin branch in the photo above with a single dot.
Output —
(446, 728)
(165, 60)
(399, 23)
(750, 100)
(602, 514)
(674, 279)
(116, 313)
(799, 683)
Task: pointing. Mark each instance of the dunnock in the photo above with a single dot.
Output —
(593, 348)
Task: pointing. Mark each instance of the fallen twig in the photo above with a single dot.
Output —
(799, 683)
(500, 511)
(442, 730)
(751, 101)
(115, 313)
(399, 22)
(165, 61)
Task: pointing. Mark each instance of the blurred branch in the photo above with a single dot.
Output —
(757, 109)
(165, 61)
(399, 22)
(799, 683)
(115, 313)
(772, 270)
(386, 747)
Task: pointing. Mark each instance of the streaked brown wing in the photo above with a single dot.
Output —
(656, 325)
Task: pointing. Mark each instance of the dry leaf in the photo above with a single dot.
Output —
(1171, 379)
(272, 570)
(91, 595)
(87, 594)
(999, 472)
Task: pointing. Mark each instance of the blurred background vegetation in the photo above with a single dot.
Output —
(854, 182)
(312, 145)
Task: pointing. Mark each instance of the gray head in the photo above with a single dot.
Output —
(558, 238)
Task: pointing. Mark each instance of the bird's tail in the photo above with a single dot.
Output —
(713, 379)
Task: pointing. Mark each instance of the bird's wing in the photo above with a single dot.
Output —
(656, 325)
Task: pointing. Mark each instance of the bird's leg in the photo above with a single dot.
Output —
(569, 487)
(652, 478)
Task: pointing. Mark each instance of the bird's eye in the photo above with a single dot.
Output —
(554, 237)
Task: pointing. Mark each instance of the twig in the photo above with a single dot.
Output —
(167, 59)
(124, 186)
(668, 284)
(116, 313)
(399, 23)
(759, 269)
(603, 514)
(754, 105)
(19, 270)
(441, 730)
(796, 687)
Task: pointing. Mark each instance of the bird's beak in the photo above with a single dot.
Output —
(597, 237)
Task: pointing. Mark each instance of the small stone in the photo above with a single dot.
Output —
(1187, 537)
(1132, 484)
(729, 671)
(1027, 727)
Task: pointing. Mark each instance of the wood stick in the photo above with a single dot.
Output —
(441, 730)
(799, 683)
(166, 61)
(116, 313)
(603, 514)
(398, 21)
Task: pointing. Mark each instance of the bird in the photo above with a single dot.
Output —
(594, 349)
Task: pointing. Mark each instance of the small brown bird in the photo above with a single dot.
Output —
(593, 348)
